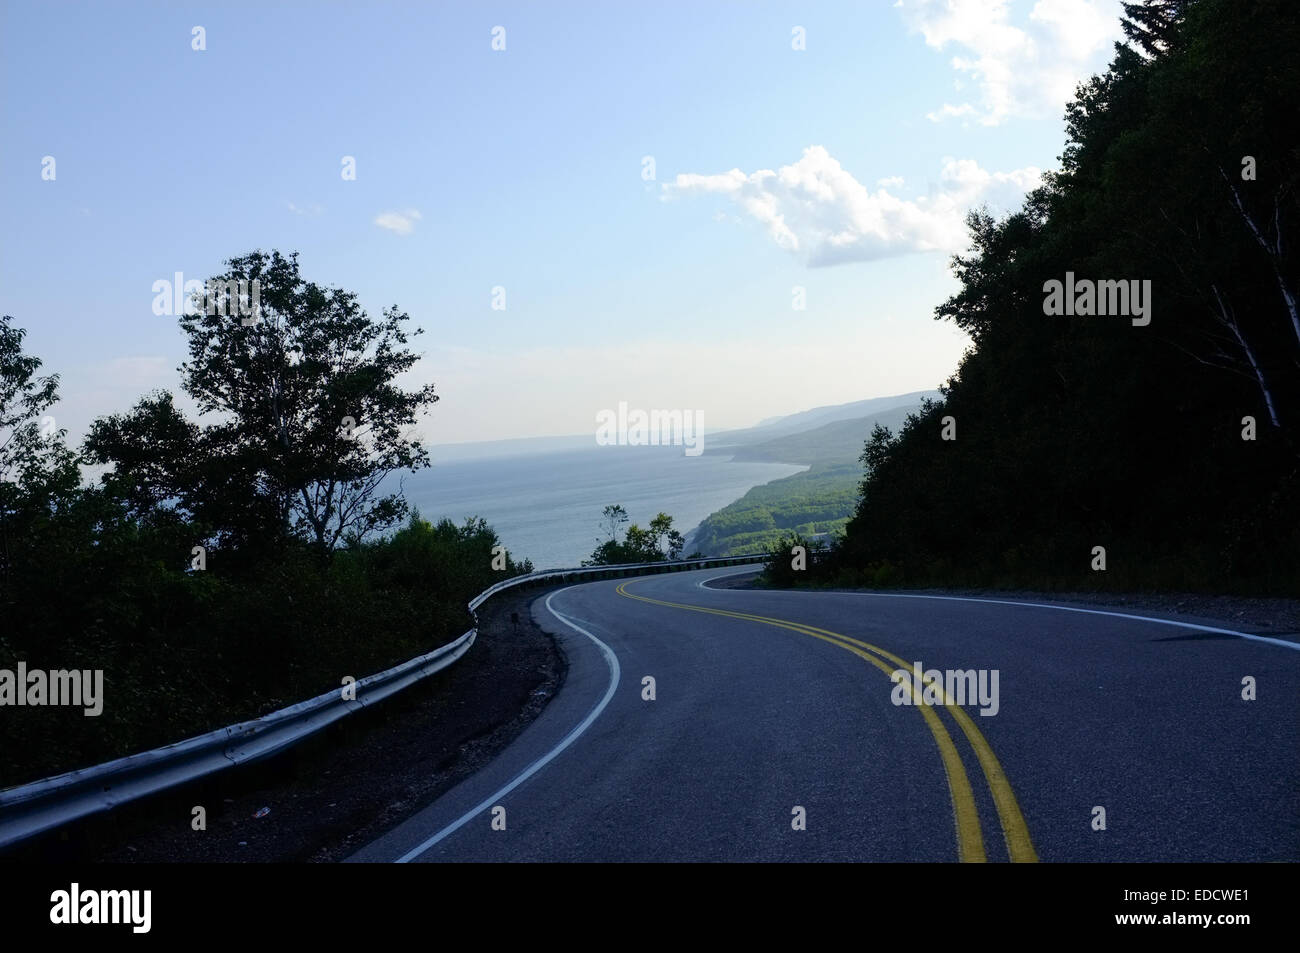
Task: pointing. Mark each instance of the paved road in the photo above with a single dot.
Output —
(770, 702)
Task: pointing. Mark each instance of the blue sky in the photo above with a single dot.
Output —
(523, 168)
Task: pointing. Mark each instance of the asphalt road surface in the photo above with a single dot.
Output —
(776, 733)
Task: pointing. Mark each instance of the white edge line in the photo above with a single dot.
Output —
(614, 674)
(1039, 605)
(722, 575)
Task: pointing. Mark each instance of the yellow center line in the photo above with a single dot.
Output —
(1020, 847)
(970, 840)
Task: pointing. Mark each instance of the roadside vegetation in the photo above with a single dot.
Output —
(656, 543)
(222, 567)
(815, 503)
(1088, 451)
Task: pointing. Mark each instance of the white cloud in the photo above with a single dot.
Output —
(399, 223)
(893, 182)
(1027, 71)
(818, 211)
(312, 209)
(949, 111)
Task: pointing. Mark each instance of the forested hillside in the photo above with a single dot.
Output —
(818, 501)
(828, 445)
(809, 503)
(1171, 445)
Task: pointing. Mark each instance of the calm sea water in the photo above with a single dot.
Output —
(546, 507)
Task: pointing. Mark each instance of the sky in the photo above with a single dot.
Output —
(644, 187)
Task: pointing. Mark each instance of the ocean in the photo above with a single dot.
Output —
(546, 506)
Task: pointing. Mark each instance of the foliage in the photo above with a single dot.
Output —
(185, 651)
(1075, 432)
(307, 419)
(38, 473)
(657, 542)
(817, 502)
(783, 567)
(297, 588)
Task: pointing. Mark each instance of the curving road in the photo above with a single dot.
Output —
(768, 702)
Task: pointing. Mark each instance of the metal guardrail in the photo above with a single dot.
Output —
(34, 808)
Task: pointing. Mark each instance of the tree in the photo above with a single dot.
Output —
(780, 568)
(306, 418)
(1218, 216)
(1153, 24)
(663, 535)
(657, 542)
(38, 472)
(1181, 169)
(612, 517)
(875, 452)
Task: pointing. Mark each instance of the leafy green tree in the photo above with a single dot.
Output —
(658, 541)
(1153, 24)
(665, 539)
(304, 418)
(38, 472)
(779, 569)
(876, 451)
(613, 517)
(1181, 168)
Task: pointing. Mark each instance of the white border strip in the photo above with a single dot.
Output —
(1040, 605)
(614, 674)
(704, 583)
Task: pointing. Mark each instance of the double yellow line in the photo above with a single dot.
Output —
(970, 839)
